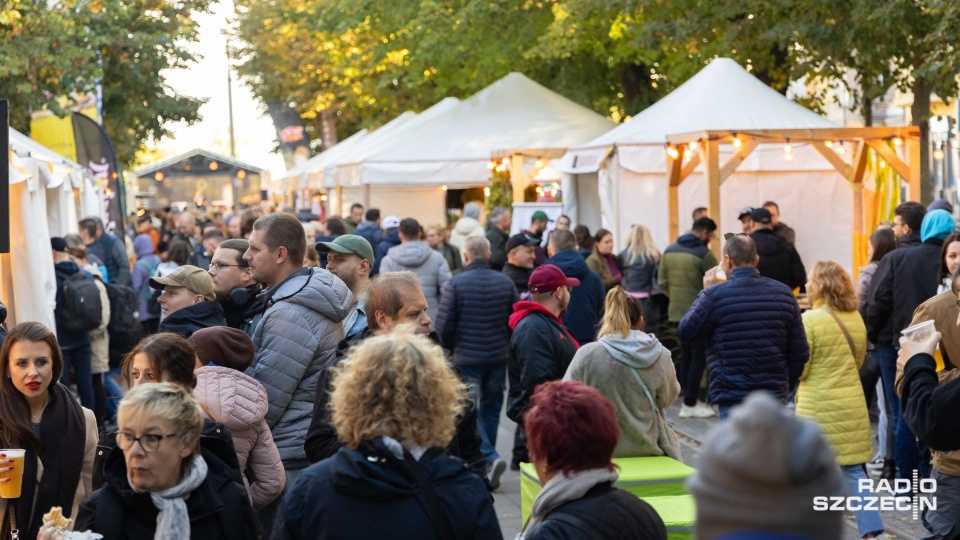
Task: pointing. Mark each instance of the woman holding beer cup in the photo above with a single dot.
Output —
(47, 440)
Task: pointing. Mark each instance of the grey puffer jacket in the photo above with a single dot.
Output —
(427, 264)
(296, 337)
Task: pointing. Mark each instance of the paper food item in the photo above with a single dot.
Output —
(63, 525)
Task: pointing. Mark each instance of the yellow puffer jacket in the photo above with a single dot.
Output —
(830, 390)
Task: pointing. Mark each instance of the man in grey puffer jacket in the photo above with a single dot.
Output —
(298, 331)
(418, 257)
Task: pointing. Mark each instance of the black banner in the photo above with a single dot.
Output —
(294, 144)
(95, 152)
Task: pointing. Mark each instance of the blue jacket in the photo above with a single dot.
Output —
(113, 252)
(372, 493)
(371, 232)
(65, 339)
(586, 301)
(390, 239)
(754, 335)
(473, 317)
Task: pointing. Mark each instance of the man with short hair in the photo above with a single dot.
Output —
(202, 256)
(782, 229)
(354, 219)
(746, 224)
(700, 212)
(779, 259)
(905, 278)
(520, 259)
(752, 327)
(234, 284)
(473, 322)
(370, 229)
(75, 345)
(390, 239)
(682, 267)
(501, 219)
(415, 255)
(586, 301)
(303, 309)
(350, 258)
(107, 248)
(187, 229)
(538, 225)
(394, 300)
(541, 346)
(188, 301)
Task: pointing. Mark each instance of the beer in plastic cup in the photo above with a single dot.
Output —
(721, 275)
(11, 489)
(919, 332)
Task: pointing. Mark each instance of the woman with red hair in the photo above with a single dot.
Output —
(572, 433)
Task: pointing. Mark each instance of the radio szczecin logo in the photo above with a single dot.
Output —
(882, 496)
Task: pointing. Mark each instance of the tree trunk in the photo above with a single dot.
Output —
(920, 114)
(328, 128)
(867, 111)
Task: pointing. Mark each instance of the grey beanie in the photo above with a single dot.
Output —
(472, 210)
(760, 470)
(940, 204)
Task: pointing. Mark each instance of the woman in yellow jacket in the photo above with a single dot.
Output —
(830, 391)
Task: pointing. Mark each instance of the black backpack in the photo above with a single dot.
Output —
(81, 310)
(124, 307)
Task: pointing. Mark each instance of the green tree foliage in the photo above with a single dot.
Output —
(53, 49)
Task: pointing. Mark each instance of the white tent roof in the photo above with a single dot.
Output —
(317, 162)
(349, 169)
(722, 96)
(514, 113)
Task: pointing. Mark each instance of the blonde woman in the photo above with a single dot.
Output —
(636, 373)
(394, 406)
(830, 391)
(640, 261)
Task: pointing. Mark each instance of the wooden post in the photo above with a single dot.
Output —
(516, 177)
(674, 178)
(337, 210)
(366, 196)
(711, 165)
(915, 167)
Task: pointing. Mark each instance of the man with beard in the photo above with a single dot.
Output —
(236, 289)
(538, 226)
(541, 347)
(350, 258)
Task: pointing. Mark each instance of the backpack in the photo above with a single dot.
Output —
(123, 308)
(81, 310)
(149, 295)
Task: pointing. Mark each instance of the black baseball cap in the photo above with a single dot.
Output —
(518, 240)
(761, 215)
(745, 212)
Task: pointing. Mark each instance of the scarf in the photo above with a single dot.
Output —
(173, 521)
(63, 438)
(564, 488)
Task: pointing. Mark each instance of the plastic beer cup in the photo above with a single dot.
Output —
(11, 489)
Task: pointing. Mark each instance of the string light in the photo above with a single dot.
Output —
(214, 165)
(323, 198)
(897, 141)
(539, 164)
(672, 152)
(938, 153)
(687, 153)
(241, 174)
(883, 164)
(788, 157)
(443, 188)
(505, 162)
(787, 149)
(486, 192)
(841, 149)
(158, 177)
(737, 143)
(829, 144)
(692, 146)
(492, 165)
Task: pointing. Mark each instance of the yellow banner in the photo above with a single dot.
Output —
(57, 133)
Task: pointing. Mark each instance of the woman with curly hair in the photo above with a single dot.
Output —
(394, 405)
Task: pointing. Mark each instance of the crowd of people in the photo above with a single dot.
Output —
(272, 375)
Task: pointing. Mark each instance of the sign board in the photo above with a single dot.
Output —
(522, 212)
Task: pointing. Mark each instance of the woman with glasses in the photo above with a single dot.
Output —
(161, 486)
(41, 416)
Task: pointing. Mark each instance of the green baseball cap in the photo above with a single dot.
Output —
(349, 244)
(540, 215)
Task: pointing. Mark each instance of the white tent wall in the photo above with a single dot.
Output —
(426, 204)
(581, 199)
(91, 200)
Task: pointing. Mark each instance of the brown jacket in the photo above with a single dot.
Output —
(598, 264)
(943, 311)
(947, 462)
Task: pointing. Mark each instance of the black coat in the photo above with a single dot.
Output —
(188, 320)
(322, 441)
(218, 508)
(390, 239)
(880, 330)
(604, 513)
(779, 260)
(905, 278)
(928, 408)
(639, 275)
(498, 248)
(586, 300)
(238, 305)
(473, 317)
(519, 276)
(370, 493)
(540, 351)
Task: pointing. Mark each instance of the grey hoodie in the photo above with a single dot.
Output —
(296, 337)
(610, 365)
(429, 265)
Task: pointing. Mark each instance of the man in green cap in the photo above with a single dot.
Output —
(350, 258)
(538, 226)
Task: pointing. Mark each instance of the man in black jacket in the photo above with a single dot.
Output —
(905, 278)
(234, 284)
(393, 299)
(586, 301)
(188, 302)
(472, 322)
(541, 347)
(501, 219)
(779, 259)
(521, 254)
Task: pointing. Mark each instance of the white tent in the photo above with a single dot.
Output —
(453, 149)
(310, 173)
(41, 184)
(622, 174)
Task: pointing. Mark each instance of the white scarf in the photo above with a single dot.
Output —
(563, 488)
(173, 520)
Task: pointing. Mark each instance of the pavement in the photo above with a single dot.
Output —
(691, 433)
